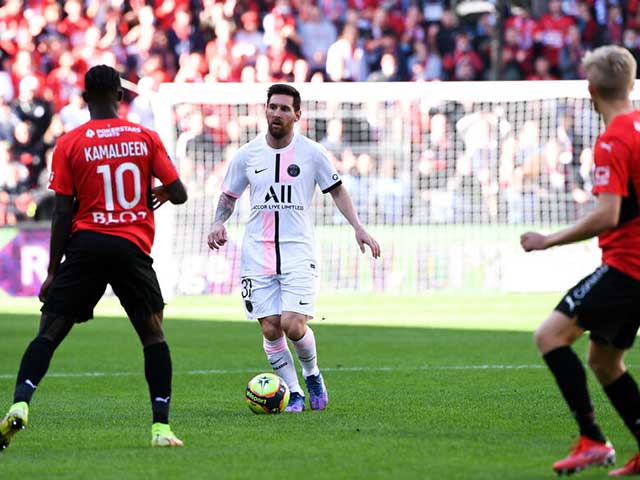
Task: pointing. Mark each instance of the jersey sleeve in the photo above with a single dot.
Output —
(61, 178)
(162, 167)
(235, 180)
(327, 176)
(611, 173)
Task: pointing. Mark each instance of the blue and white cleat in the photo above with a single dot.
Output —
(318, 397)
(296, 403)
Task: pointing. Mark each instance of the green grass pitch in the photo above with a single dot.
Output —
(443, 386)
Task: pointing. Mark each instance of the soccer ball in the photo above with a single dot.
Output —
(267, 393)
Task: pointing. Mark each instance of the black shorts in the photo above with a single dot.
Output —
(607, 303)
(93, 260)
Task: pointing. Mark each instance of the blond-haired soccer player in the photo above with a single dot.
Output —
(607, 302)
(278, 265)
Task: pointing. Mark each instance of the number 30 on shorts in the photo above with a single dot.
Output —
(246, 288)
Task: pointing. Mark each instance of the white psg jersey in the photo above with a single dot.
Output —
(279, 235)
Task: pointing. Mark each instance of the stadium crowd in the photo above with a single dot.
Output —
(46, 46)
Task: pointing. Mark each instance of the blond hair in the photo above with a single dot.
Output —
(611, 70)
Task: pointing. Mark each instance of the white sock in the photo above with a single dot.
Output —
(306, 351)
(281, 361)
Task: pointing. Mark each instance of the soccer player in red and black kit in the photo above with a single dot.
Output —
(103, 224)
(607, 302)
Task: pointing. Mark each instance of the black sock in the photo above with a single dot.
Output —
(34, 366)
(157, 370)
(625, 397)
(572, 380)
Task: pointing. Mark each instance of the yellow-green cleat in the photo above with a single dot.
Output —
(15, 420)
(162, 436)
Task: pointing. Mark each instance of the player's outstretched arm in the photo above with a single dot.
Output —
(602, 218)
(60, 230)
(343, 201)
(175, 192)
(218, 235)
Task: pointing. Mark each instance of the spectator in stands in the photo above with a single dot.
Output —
(249, 42)
(446, 33)
(571, 55)
(524, 25)
(30, 107)
(631, 43)
(542, 70)
(424, 64)
(517, 60)
(184, 36)
(550, 32)
(614, 26)
(388, 71)
(317, 34)
(589, 29)
(75, 113)
(464, 63)
(345, 59)
(8, 120)
(28, 150)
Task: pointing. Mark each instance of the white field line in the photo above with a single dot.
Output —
(334, 369)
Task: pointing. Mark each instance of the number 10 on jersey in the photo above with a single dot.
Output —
(105, 171)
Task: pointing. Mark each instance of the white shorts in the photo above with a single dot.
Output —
(265, 295)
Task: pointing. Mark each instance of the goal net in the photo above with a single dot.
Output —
(445, 175)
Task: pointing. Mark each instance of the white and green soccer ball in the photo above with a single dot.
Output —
(267, 393)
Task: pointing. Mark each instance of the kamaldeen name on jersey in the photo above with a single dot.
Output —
(116, 150)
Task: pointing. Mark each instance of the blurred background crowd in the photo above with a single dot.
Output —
(46, 46)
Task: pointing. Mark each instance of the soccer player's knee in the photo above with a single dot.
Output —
(271, 331)
(540, 337)
(53, 329)
(148, 326)
(604, 367)
(151, 336)
(599, 367)
(295, 327)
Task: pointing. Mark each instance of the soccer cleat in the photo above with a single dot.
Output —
(296, 403)
(632, 467)
(586, 453)
(318, 397)
(16, 419)
(162, 436)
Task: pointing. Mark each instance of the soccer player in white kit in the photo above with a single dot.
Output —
(278, 267)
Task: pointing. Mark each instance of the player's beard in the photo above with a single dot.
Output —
(280, 131)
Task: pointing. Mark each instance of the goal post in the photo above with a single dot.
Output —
(445, 175)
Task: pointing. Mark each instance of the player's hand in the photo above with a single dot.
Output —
(159, 195)
(217, 236)
(44, 288)
(363, 238)
(533, 241)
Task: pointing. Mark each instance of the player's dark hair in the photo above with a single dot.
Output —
(283, 89)
(100, 81)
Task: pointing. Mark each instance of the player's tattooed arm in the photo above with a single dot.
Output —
(226, 205)
(60, 231)
(218, 235)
